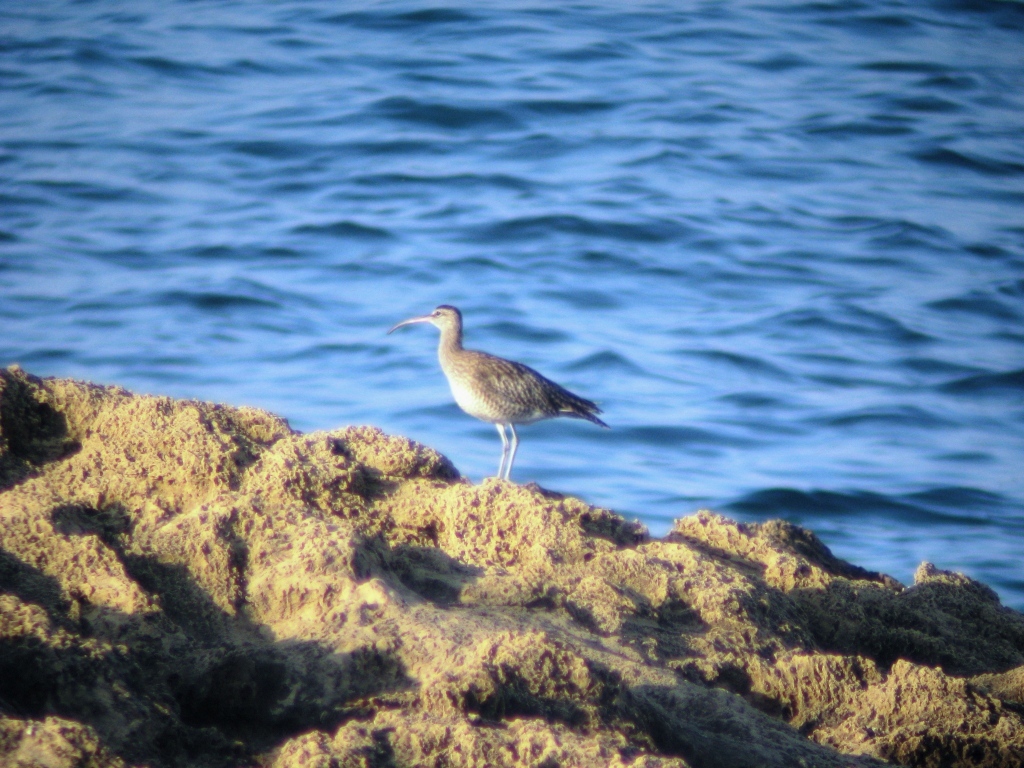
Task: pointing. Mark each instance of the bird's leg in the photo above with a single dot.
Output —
(504, 448)
(512, 453)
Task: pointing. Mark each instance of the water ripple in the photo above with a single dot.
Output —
(606, 362)
(776, 502)
(543, 226)
(214, 302)
(440, 115)
(976, 304)
(986, 383)
(746, 363)
(951, 158)
(903, 416)
(383, 20)
(344, 229)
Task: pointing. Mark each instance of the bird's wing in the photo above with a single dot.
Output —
(507, 377)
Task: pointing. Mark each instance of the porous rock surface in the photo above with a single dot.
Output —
(189, 584)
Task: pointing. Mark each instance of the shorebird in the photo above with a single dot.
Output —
(501, 392)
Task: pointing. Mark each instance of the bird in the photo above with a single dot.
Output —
(499, 391)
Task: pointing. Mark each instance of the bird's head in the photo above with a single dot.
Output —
(444, 317)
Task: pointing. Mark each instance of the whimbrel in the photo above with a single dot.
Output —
(498, 391)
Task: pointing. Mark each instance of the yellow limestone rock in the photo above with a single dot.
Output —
(190, 584)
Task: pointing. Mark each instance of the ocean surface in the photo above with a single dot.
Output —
(781, 243)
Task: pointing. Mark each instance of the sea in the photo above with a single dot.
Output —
(780, 243)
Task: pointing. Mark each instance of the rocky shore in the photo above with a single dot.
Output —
(190, 584)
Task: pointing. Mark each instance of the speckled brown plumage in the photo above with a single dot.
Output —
(499, 391)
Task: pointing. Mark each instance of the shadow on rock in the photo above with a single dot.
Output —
(428, 572)
(170, 692)
(32, 433)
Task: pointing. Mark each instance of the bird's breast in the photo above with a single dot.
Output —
(479, 402)
(473, 401)
(495, 390)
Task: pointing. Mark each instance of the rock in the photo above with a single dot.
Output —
(190, 584)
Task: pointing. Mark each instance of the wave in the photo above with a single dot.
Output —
(849, 320)
(950, 158)
(1014, 288)
(779, 62)
(669, 436)
(853, 128)
(950, 82)
(513, 330)
(753, 400)
(214, 301)
(278, 150)
(441, 115)
(928, 365)
(229, 253)
(607, 361)
(916, 67)
(944, 506)
(344, 229)
(584, 299)
(93, 192)
(882, 24)
(976, 304)
(925, 103)
(746, 363)
(46, 355)
(987, 383)
(447, 181)
(891, 416)
(384, 20)
(387, 147)
(174, 68)
(595, 52)
(563, 106)
(652, 231)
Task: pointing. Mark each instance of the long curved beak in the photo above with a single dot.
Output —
(410, 321)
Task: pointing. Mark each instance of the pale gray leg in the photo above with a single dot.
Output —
(512, 453)
(504, 449)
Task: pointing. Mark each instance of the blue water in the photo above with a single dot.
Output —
(782, 244)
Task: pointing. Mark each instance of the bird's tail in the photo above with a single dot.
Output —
(577, 407)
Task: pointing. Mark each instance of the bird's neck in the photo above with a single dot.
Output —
(450, 343)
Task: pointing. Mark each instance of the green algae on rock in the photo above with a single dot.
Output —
(190, 584)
